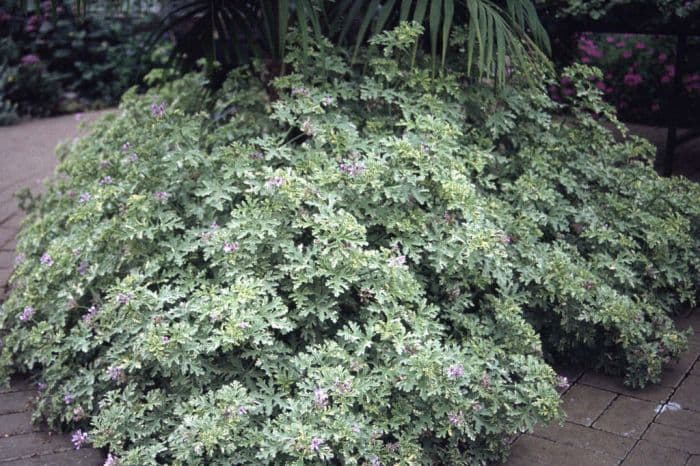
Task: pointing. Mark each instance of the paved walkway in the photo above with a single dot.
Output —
(607, 424)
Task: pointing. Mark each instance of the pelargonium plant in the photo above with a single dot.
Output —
(387, 288)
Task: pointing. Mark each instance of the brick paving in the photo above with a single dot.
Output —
(607, 423)
(610, 424)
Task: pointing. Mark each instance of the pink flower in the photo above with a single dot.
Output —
(665, 79)
(30, 59)
(585, 60)
(26, 314)
(610, 39)
(33, 23)
(662, 57)
(600, 85)
(568, 92)
(640, 45)
(231, 247)
(620, 44)
(632, 79)
(627, 53)
(655, 107)
(671, 70)
(79, 439)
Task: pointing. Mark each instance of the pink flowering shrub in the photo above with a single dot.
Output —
(639, 72)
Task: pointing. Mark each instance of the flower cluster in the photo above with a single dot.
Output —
(79, 439)
(352, 168)
(455, 371)
(396, 261)
(157, 110)
(90, 315)
(161, 196)
(275, 182)
(231, 247)
(320, 398)
(27, 314)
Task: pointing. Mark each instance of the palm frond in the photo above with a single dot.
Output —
(497, 32)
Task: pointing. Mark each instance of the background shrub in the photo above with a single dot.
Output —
(55, 62)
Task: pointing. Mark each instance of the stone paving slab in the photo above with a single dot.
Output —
(83, 457)
(588, 439)
(15, 402)
(626, 416)
(650, 454)
(694, 461)
(583, 404)
(682, 418)
(529, 450)
(688, 394)
(35, 443)
(16, 423)
(673, 437)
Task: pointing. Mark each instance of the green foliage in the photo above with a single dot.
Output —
(492, 32)
(342, 268)
(54, 62)
(597, 9)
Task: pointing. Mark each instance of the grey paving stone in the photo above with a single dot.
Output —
(7, 259)
(650, 454)
(16, 423)
(587, 438)
(534, 451)
(10, 216)
(683, 419)
(82, 457)
(694, 461)
(653, 392)
(628, 417)
(8, 239)
(688, 394)
(696, 368)
(672, 437)
(15, 402)
(36, 443)
(583, 404)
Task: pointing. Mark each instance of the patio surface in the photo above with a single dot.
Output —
(607, 424)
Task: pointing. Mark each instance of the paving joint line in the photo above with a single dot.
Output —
(660, 411)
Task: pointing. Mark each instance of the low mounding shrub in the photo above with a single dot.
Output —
(344, 268)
